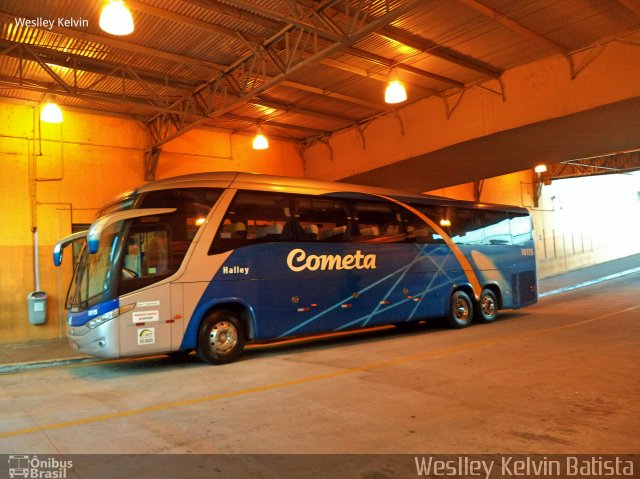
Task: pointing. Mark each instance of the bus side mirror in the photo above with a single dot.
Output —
(93, 244)
(57, 255)
(58, 249)
(96, 229)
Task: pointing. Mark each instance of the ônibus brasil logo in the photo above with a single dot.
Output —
(33, 467)
(298, 260)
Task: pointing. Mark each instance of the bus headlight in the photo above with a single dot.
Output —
(114, 313)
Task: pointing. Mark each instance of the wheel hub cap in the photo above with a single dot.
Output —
(223, 337)
(488, 306)
(461, 310)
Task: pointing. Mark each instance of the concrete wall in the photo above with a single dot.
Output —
(585, 221)
(534, 92)
(56, 175)
(197, 151)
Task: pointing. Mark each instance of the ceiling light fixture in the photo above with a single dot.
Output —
(540, 168)
(395, 92)
(51, 112)
(116, 18)
(260, 141)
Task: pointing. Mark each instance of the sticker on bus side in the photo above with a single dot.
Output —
(146, 336)
(145, 316)
(146, 304)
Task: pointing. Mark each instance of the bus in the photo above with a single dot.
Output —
(213, 261)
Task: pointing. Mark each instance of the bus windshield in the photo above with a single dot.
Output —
(93, 277)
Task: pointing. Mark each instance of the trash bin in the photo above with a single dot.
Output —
(37, 304)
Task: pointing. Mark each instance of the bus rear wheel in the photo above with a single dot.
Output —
(221, 338)
(487, 307)
(461, 311)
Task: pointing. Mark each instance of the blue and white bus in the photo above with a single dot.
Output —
(209, 262)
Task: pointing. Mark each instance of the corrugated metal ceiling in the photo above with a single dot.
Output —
(234, 64)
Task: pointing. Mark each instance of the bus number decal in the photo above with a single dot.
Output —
(298, 261)
(526, 251)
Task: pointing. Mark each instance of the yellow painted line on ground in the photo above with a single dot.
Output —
(316, 377)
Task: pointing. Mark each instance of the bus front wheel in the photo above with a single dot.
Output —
(487, 307)
(221, 338)
(461, 310)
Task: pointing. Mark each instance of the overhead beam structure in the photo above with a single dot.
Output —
(159, 89)
(238, 10)
(424, 45)
(617, 163)
(624, 162)
(432, 48)
(81, 62)
(513, 25)
(250, 41)
(126, 46)
(356, 52)
(240, 6)
(277, 56)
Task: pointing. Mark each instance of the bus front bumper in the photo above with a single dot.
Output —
(101, 341)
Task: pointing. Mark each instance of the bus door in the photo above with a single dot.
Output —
(145, 266)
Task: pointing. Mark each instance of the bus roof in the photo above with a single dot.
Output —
(256, 181)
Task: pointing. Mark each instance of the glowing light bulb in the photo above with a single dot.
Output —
(51, 113)
(395, 92)
(260, 141)
(116, 18)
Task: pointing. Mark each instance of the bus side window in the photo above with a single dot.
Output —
(322, 219)
(465, 225)
(192, 207)
(521, 231)
(418, 231)
(254, 217)
(378, 222)
(496, 227)
(147, 256)
(423, 232)
(237, 230)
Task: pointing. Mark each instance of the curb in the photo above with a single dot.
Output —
(589, 283)
(26, 366)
